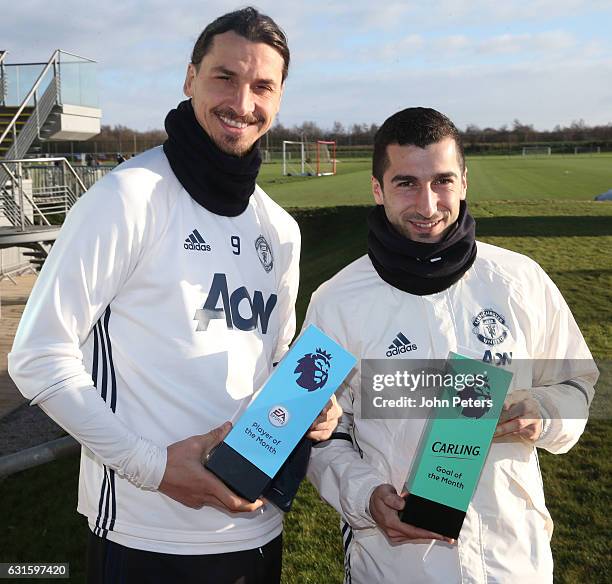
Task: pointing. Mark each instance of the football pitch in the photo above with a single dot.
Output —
(542, 207)
(490, 178)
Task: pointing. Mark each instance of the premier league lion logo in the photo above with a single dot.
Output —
(480, 394)
(313, 369)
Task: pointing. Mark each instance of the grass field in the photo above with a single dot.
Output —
(565, 231)
(490, 178)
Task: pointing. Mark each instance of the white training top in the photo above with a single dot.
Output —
(176, 315)
(504, 311)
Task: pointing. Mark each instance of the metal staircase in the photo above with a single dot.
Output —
(31, 123)
(22, 124)
(6, 116)
(36, 193)
(36, 199)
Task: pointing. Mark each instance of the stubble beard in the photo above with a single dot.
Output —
(407, 230)
(236, 145)
(233, 146)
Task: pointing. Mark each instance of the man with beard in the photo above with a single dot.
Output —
(163, 306)
(426, 288)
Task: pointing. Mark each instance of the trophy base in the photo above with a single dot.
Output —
(432, 516)
(240, 475)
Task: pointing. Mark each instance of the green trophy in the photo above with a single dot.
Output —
(454, 446)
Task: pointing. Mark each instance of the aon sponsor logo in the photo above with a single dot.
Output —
(239, 309)
(497, 358)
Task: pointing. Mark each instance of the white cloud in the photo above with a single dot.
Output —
(353, 60)
(547, 41)
(395, 51)
(536, 93)
(417, 17)
(547, 44)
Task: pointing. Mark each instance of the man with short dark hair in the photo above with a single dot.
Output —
(427, 288)
(162, 308)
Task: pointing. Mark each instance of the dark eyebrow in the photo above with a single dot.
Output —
(409, 178)
(403, 178)
(267, 82)
(449, 174)
(224, 71)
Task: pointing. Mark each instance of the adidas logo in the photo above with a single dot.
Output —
(196, 241)
(400, 345)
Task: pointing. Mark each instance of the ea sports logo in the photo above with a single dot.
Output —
(313, 369)
(278, 416)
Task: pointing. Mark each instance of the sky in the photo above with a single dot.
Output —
(544, 62)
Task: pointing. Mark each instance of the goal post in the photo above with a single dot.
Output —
(294, 158)
(587, 149)
(536, 151)
(326, 157)
(309, 158)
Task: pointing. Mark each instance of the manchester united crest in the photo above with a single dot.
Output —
(264, 253)
(490, 327)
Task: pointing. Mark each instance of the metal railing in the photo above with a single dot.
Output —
(51, 64)
(37, 455)
(22, 140)
(47, 175)
(2, 78)
(77, 74)
(31, 129)
(13, 201)
(64, 73)
(56, 186)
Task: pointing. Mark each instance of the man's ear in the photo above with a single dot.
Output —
(377, 191)
(189, 79)
(464, 184)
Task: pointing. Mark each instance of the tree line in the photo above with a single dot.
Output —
(122, 139)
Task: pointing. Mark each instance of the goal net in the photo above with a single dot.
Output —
(536, 150)
(587, 149)
(309, 158)
(326, 157)
(295, 162)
